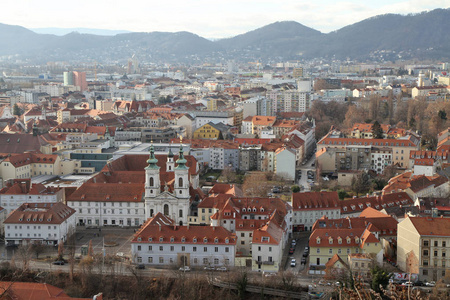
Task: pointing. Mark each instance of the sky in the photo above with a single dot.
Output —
(207, 18)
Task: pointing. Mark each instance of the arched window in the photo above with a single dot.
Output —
(151, 212)
(166, 209)
(152, 181)
(180, 214)
(180, 182)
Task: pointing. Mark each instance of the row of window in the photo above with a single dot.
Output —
(436, 253)
(330, 251)
(183, 248)
(136, 211)
(205, 261)
(119, 204)
(426, 243)
(425, 272)
(426, 263)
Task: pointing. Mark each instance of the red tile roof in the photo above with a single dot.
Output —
(315, 201)
(428, 226)
(34, 291)
(156, 229)
(40, 213)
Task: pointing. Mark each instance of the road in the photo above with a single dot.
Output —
(303, 181)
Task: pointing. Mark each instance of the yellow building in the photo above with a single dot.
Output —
(423, 247)
(325, 243)
(211, 131)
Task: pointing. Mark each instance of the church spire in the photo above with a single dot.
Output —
(181, 161)
(152, 161)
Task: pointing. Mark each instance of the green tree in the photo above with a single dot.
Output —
(342, 194)
(16, 110)
(379, 277)
(295, 189)
(377, 131)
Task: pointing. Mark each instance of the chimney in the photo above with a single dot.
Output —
(174, 226)
(188, 226)
(159, 227)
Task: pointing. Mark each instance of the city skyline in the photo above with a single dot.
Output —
(221, 20)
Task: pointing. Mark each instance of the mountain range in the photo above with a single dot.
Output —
(384, 37)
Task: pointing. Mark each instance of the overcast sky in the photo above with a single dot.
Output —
(207, 18)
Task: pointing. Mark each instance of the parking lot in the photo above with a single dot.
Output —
(113, 239)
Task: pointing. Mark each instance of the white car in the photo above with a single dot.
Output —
(293, 262)
(185, 269)
(222, 269)
(431, 283)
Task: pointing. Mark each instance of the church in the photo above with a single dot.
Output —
(134, 188)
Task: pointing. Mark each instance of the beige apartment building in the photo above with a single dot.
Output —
(423, 247)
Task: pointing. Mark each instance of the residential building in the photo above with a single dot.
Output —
(361, 264)
(20, 191)
(325, 243)
(212, 131)
(162, 242)
(423, 247)
(308, 207)
(49, 223)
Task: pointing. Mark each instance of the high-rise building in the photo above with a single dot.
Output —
(76, 79)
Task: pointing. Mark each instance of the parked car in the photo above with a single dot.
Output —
(303, 261)
(418, 283)
(59, 262)
(431, 283)
(294, 242)
(209, 268)
(407, 283)
(269, 274)
(185, 269)
(305, 254)
(293, 262)
(291, 251)
(307, 248)
(222, 269)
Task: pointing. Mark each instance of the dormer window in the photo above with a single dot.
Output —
(205, 240)
(161, 239)
(183, 239)
(348, 240)
(194, 240)
(150, 239)
(216, 240)
(262, 209)
(172, 239)
(318, 240)
(339, 241)
(330, 240)
(254, 209)
(227, 240)
(139, 239)
(243, 209)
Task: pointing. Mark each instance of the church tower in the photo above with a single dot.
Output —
(170, 164)
(152, 180)
(181, 184)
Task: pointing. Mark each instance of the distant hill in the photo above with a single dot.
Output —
(64, 31)
(388, 37)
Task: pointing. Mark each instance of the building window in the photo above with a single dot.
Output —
(194, 249)
(444, 244)
(161, 260)
(139, 259)
(425, 262)
(318, 250)
(171, 248)
(425, 272)
(205, 261)
(139, 248)
(183, 248)
(435, 253)
(161, 248)
(330, 251)
(150, 260)
(205, 249)
(150, 248)
(425, 243)
(216, 261)
(425, 252)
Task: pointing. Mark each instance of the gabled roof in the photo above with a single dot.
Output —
(315, 201)
(335, 259)
(162, 230)
(428, 226)
(40, 213)
(34, 291)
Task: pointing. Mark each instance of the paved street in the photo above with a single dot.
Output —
(303, 181)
